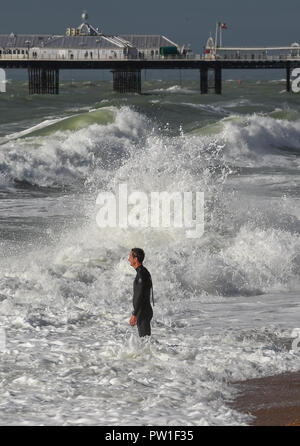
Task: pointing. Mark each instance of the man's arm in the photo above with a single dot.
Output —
(139, 289)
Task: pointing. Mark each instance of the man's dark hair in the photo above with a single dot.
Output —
(139, 254)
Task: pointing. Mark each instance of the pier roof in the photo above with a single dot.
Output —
(56, 41)
(99, 41)
(21, 40)
(85, 42)
(148, 41)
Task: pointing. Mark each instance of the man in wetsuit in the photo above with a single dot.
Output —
(142, 310)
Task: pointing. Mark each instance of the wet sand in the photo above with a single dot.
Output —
(273, 400)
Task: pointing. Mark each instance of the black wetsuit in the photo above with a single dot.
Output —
(141, 300)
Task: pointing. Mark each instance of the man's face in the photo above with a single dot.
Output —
(132, 260)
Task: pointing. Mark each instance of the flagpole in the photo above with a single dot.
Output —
(216, 36)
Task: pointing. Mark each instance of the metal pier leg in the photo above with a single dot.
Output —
(56, 82)
(127, 81)
(288, 77)
(29, 80)
(43, 80)
(204, 80)
(32, 76)
(218, 80)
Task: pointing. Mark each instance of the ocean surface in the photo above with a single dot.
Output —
(226, 304)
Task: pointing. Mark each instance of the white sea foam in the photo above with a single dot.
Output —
(261, 141)
(209, 108)
(67, 157)
(41, 125)
(175, 89)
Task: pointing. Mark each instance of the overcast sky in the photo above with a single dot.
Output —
(255, 22)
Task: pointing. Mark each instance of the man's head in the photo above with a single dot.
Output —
(136, 257)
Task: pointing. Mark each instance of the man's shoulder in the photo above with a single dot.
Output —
(143, 272)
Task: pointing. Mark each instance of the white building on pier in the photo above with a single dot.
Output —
(85, 43)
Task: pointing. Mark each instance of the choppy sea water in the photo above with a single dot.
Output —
(226, 304)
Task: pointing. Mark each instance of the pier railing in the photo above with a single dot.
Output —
(256, 57)
(218, 57)
(74, 57)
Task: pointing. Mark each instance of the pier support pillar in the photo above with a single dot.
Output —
(204, 80)
(127, 81)
(43, 80)
(288, 77)
(218, 80)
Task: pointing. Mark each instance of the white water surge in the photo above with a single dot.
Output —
(226, 303)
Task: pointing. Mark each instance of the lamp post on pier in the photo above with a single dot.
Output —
(27, 42)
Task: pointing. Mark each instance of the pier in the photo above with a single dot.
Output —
(86, 48)
(43, 75)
